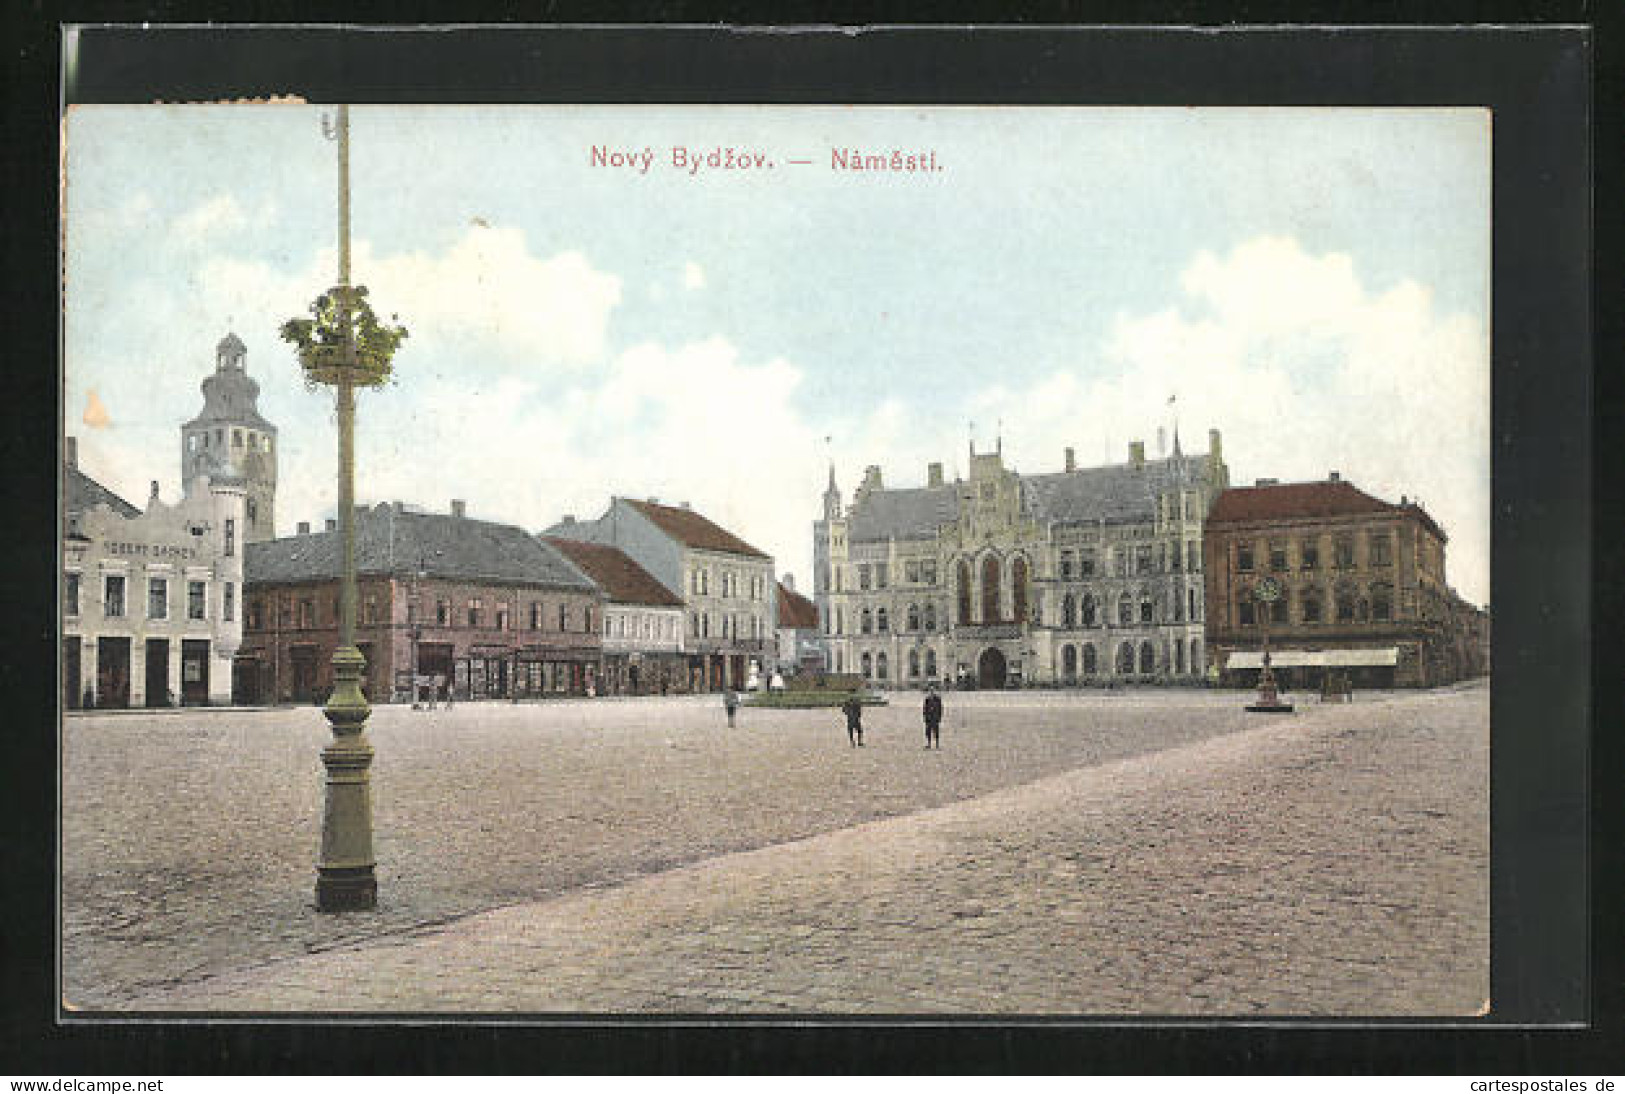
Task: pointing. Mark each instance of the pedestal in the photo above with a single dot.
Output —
(345, 879)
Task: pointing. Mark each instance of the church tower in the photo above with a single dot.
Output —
(229, 439)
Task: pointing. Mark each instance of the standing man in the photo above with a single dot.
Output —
(853, 708)
(730, 702)
(933, 718)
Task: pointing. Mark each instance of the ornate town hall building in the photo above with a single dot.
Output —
(1086, 576)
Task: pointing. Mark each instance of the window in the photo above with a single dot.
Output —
(1069, 661)
(1018, 590)
(1277, 558)
(694, 625)
(1148, 659)
(880, 575)
(931, 664)
(928, 571)
(880, 666)
(253, 512)
(196, 600)
(881, 623)
(231, 537)
(840, 620)
(284, 611)
(535, 615)
(502, 617)
(1069, 611)
(1125, 658)
(476, 611)
(1278, 611)
(586, 619)
(705, 625)
(1345, 607)
(1088, 616)
(1193, 557)
(1125, 610)
(307, 613)
(1089, 665)
(930, 617)
(1146, 611)
(914, 664)
(1310, 607)
(1309, 555)
(1120, 561)
(911, 572)
(1345, 553)
(236, 438)
(70, 594)
(157, 598)
(228, 603)
(1066, 565)
(563, 620)
(990, 590)
(1173, 558)
(113, 596)
(1190, 597)
(1244, 610)
(913, 617)
(1142, 559)
(256, 614)
(442, 612)
(866, 622)
(1382, 603)
(369, 610)
(964, 593)
(1086, 563)
(1382, 550)
(863, 576)
(1244, 557)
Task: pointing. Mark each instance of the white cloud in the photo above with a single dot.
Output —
(693, 276)
(1305, 369)
(218, 217)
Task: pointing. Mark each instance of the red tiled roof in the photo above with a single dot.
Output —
(616, 573)
(688, 527)
(1284, 501)
(796, 611)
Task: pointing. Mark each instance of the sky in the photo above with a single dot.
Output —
(1312, 282)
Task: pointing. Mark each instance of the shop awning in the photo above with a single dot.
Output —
(1334, 659)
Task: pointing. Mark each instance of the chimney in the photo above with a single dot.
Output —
(1403, 500)
(789, 582)
(154, 495)
(1266, 482)
(332, 524)
(684, 505)
(1071, 460)
(70, 452)
(459, 508)
(1215, 447)
(1136, 453)
(304, 527)
(1334, 477)
(933, 474)
(569, 518)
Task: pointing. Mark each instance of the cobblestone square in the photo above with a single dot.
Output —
(1155, 852)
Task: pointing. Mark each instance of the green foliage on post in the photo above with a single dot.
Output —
(325, 350)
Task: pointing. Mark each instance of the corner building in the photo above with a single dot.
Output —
(1087, 576)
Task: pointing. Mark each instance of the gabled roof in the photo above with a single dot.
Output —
(81, 493)
(622, 579)
(912, 513)
(692, 530)
(1296, 500)
(392, 540)
(796, 612)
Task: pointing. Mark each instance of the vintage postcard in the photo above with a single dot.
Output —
(776, 561)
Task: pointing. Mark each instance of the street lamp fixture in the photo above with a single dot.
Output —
(344, 345)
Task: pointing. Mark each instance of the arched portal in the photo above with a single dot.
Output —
(990, 669)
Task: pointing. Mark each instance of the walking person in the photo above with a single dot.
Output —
(933, 718)
(853, 708)
(730, 702)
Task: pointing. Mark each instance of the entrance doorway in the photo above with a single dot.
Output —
(304, 673)
(195, 672)
(157, 672)
(990, 669)
(247, 679)
(112, 672)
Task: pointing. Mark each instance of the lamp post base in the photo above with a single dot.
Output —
(346, 889)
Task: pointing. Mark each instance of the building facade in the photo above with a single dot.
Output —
(726, 585)
(801, 644)
(1363, 580)
(151, 601)
(487, 610)
(643, 622)
(1085, 576)
(230, 437)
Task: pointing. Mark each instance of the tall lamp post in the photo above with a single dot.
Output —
(343, 345)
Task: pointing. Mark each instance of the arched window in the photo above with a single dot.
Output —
(881, 624)
(931, 663)
(1088, 609)
(1148, 659)
(1069, 611)
(866, 622)
(880, 666)
(868, 667)
(1018, 589)
(1125, 659)
(914, 664)
(913, 617)
(1089, 666)
(930, 617)
(1125, 610)
(990, 590)
(964, 592)
(1069, 661)
(1179, 655)
(1382, 602)
(1147, 613)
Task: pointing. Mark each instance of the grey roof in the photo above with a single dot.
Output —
(391, 540)
(903, 514)
(1116, 494)
(80, 493)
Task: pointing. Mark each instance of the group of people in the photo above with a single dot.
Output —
(931, 712)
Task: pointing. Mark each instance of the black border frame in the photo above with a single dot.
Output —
(1538, 79)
